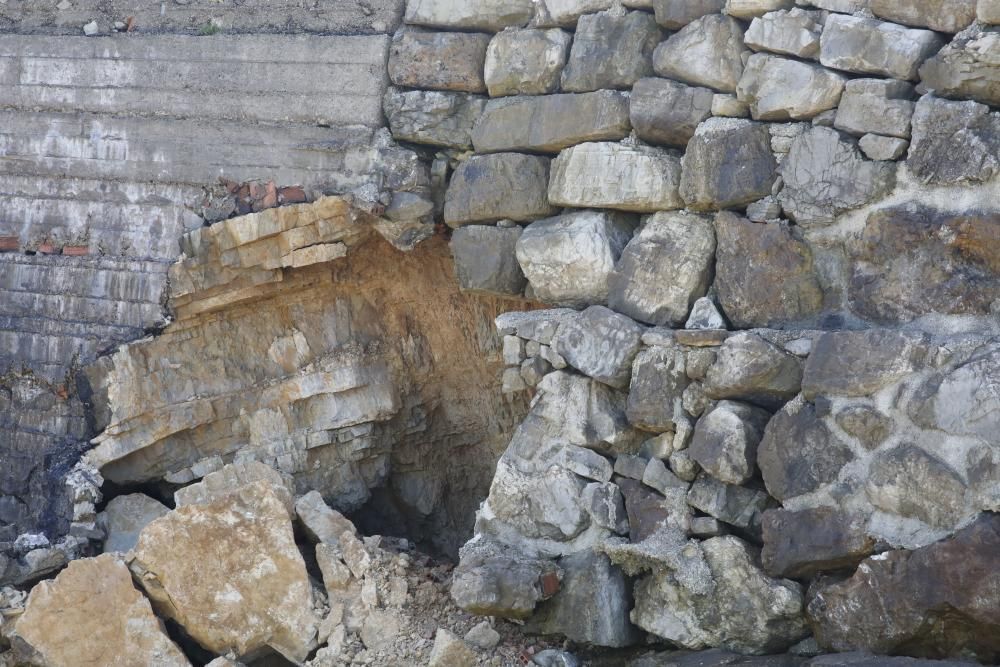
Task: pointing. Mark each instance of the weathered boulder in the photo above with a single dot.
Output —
(764, 275)
(321, 522)
(868, 46)
(486, 188)
(566, 13)
(988, 11)
(450, 651)
(940, 15)
(606, 506)
(664, 269)
(877, 147)
(485, 260)
(550, 123)
(804, 543)
(741, 608)
(799, 453)
(494, 581)
(646, 179)
(739, 506)
(784, 89)
(650, 511)
(866, 423)
(568, 258)
(437, 118)
(728, 164)
(937, 601)
(909, 482)
(704, 315)
(488, 15)
(91, 615)
(707, 52)
(611, 50)
(826, 175)
(675, 14)
(438, 60)
(658, 382)
(220, 483)
(667, 112)
(125, 517)
(749, 368)
(228, 571)
(937, 126)
(592, 604)
(876, 106)
(526, 62)
(725, 441)
(912, 261)
(968, 67)
(859, 363)
(794, 32)
(600, 343)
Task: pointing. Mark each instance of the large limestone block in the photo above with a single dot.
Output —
(739, 506)
(439, 60)
(125, 517)
(491, 580)
(843, 6)
(860, 363)
(229, 572)
(667, 112)
(799, 453)
(675, 14)
(664, 269)
(940, 15)
(785, 89)
(804, 543)
(321, 522)
(233, 477)
(749, 9)
(795, 32)
(876, 106)
(728, 164)
(568, 258)
(592, 604)
(487, 188)
(764, 274)
(988, 11)
(488, 15)
(611, 50)
(450, 651)
(616, 176)
(566, 13)
(707, 52)
(601, 344)
(485, 260)
(739, 609)
(550, 123)
(526, 62)
(436, 118)
(868, 46)
(967, 68)
(939, 600)
(912, 261)
(725, 441)
(658, 383)
(907, 481)
(91, 615)
(936, 124)
(749, 368)
(826, 175)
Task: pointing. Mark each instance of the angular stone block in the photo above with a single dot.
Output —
(936, 123)
(795, 33)
(550, 123)
(438, 60)
(804, 543)
(939, 15)
(667, 112)
(707, 52)
(749, 9)
(748, 368)
(728, 163)
(825, 175)
(868, 46)
(600, 343)
(616, 176)
(664, 269)
(487, 15)
(675, 14)
(486, 188)
(876, 106)
(568, 258)
(725, 441)
(785, 89)
(485, 261)
(877, 147)
(967, 68)
(611, 50)
(988, 11)
(433, 117)
(526, 62)
(658, 382)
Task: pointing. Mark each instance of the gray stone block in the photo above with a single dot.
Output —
(728, 164)
(487, 188)
(868, 46)
(435, 118)
(667, 112)
(876, 106)
(611, 50)
(526, 62)
(707, 52)
(439, 60)
(485, 260)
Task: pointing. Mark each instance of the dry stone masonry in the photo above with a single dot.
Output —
(675, 322)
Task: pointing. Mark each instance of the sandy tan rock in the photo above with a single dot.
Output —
(229, 572)
(91, 615)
